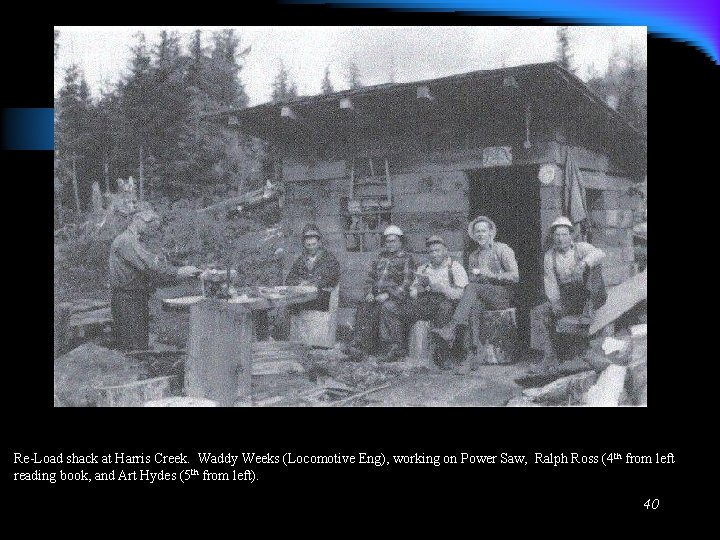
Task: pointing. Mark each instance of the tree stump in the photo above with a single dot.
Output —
(219, 359)
(420, 345)
(495, 332)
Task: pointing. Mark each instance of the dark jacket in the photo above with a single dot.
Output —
(392, 274)
(134, 268)
(325, 273)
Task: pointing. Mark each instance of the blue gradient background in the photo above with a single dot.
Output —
(696, 22)
(27, 129)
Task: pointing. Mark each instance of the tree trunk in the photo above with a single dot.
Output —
(219, 360)
(141, 191)
(75, 185)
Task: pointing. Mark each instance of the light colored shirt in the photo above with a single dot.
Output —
(559, 266)
(498, 259)
(449, 278)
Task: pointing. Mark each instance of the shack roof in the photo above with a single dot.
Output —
(262, 120)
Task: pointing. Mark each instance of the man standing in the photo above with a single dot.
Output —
(316, 267)
(493, 276)
(438, 286)
(386, 295)
(134, 274)
(573, 284)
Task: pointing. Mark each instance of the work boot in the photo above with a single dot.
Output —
(447, 333)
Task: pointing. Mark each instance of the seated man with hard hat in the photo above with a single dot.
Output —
(573, 283)
(493, 276)
(386, 293)
(438, 286)
(316, 267)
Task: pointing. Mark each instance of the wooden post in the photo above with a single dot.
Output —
(141, 192)
(97, 205)
(107, 176)
(219, 360)
(75, 184)
(63, 310)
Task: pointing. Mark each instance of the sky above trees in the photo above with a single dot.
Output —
(381, 54)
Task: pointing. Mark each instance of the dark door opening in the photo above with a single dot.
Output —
(510, 196)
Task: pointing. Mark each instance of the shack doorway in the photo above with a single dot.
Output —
(510, 196)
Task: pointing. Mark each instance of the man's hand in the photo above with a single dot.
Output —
(578, 273)
(437, 286)
(369, 297)
(382, 297)
(186, 272)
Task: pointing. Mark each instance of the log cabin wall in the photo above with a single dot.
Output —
(432, 135)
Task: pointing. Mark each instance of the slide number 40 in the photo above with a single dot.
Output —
(652, 504)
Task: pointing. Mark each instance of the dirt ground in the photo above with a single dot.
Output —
(409, 386)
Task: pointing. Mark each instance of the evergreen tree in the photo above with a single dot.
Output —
(283, 88)
(352, 76)
(74, 131)
(327, 87)
(564, 57)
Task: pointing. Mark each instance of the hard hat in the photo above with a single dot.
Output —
(393, 230)
(311, 230)
(562, 221)
(435, 239)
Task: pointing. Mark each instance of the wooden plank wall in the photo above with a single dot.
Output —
(423, 204)
(611, 210)
(430, 195)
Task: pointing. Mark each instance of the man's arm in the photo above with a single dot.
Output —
(142, 259)
(589, 254)
(552, 289)
(330, 275)
(460, 279)
(510, 273)
(408, 273)
(293, 277)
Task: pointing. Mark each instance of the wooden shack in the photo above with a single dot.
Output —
(429, 156)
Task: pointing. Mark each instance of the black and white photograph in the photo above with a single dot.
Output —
(338, 216)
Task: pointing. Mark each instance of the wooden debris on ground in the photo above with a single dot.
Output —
(565, 390)
(134, 394)
(609, 389)
(620, 299)
(80, 371)
(181, 401)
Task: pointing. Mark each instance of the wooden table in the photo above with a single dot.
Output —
(219, 359)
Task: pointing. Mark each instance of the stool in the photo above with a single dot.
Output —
(495, 332)
(421, 346)
(317, 328)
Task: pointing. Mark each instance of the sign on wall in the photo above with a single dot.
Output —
(494, 156)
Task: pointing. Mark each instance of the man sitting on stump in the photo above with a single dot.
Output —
(573, 285)
(316, 267)
(438, 286)
(493, 276)
(386, 296)
(135, 272)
